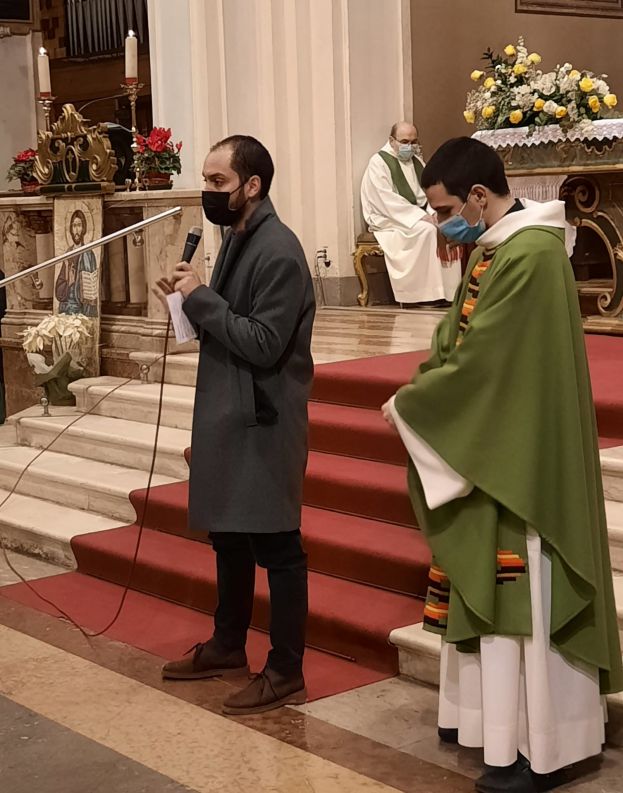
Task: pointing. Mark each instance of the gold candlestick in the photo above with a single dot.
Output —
(46, 101)
(131, 89)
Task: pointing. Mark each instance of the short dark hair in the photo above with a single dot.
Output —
(461, 163)
(249, 158)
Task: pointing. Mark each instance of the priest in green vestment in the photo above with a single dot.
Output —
(505, 480)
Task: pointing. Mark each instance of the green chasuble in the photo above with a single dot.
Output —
(505, 399)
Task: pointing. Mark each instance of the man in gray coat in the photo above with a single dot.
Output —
(249, 437)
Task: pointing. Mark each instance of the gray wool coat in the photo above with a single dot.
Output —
(249, 437)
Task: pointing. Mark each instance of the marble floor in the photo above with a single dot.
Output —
(342, 333)
(93, 716)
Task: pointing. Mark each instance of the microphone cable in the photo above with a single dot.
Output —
(141, 523)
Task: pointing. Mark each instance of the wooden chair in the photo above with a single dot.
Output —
(366, 245)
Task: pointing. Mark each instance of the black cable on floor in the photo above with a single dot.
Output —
(141, 522)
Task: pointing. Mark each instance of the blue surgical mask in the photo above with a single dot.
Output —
(458, 229)
(405, 151)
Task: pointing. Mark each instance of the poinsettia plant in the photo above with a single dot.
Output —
(59, 333)
(23, 166)
(157, 152)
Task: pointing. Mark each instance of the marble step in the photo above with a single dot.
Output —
(45, 529)
(139, 402)
(181, 368)
(75, 482)
(135, 401)
(107, 440)
(419, 650)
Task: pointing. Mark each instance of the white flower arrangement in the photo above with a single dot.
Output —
(59, 333)
(514, 92)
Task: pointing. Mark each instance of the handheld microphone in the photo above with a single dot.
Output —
(192, 240)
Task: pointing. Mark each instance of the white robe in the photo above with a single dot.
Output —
(517, 693)
(408, 242)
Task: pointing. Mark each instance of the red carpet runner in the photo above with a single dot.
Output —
(368, 561)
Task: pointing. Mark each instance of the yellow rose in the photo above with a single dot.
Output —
(574, 73)
(519, 68)
(594, 103)
(561, 112)
(539, 104)
(610, 100)
(469, 116)
(489, 83)
(534, 57)
(477, 75)
(586, 85)
(516, 116)
(510, 50)
(488, 111)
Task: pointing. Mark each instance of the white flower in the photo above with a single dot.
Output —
(523, 97)
(567, 85)
(550, 108)
(545, 84)
(64, 330)
(572, 109)
(601, 87)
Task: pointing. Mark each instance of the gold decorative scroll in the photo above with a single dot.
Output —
(74, 154)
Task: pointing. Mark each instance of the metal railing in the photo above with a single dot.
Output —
(31, 271)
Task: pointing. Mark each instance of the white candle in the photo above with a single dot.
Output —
(43, 65)
(131, 58)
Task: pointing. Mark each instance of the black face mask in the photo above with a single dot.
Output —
(216, 207)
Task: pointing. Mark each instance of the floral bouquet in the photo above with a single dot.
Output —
(514, 92)
(23, 166)
(157, 153)
(60, 333)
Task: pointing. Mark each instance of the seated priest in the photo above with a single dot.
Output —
(394, 207)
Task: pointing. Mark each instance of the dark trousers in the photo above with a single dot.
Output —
(283, 557)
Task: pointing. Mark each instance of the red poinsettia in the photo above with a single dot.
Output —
(23, 166)
(157, 152)
(25, 156)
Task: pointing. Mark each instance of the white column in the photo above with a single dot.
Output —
(17, 109)
(171, 80)
(136, 273)
(319, 82)
(44, 246)
(116, 271)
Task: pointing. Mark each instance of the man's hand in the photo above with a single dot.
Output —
(387, 414)
(185, 279)
(163, 288)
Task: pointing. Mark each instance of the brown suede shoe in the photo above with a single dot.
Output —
(266, 691)
(207, 661)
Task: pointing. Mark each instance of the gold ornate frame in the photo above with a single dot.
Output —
(67, 148)
(590, 8)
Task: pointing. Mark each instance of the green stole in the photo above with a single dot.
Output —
(399, 179)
